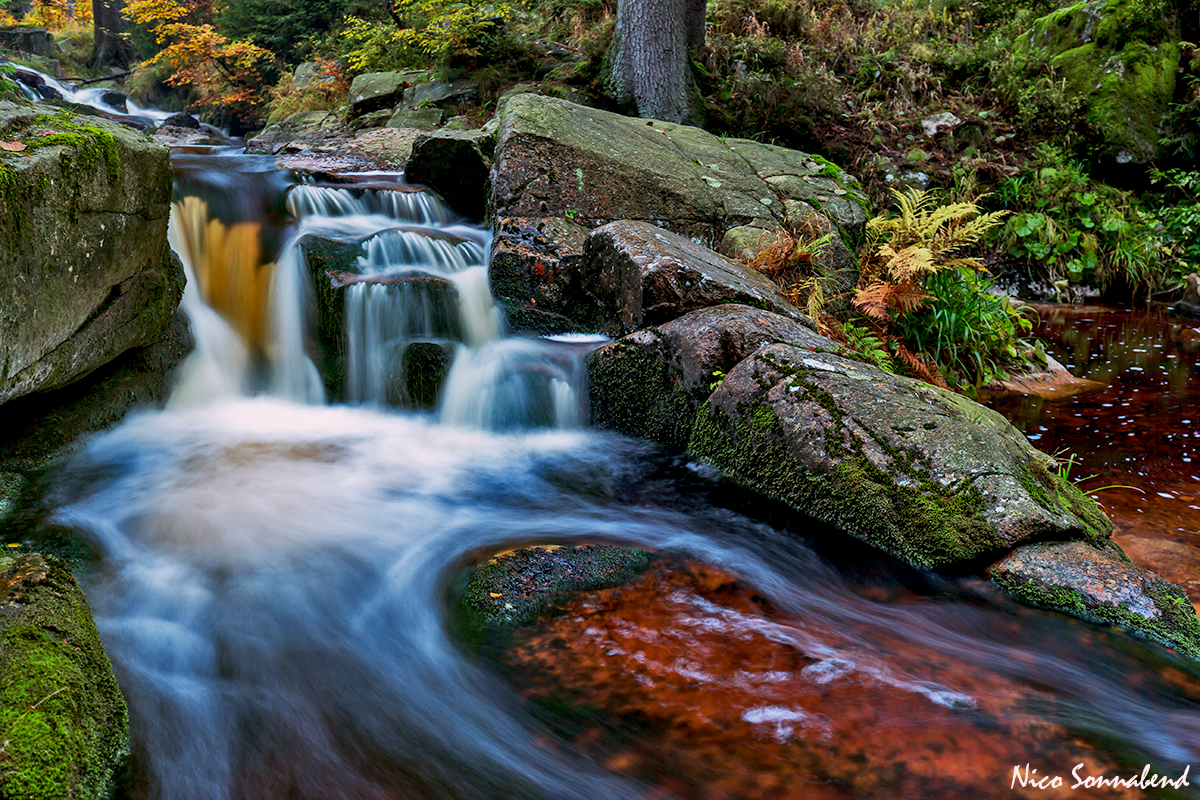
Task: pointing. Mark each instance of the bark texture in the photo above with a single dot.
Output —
(112, 47)
(648, 62)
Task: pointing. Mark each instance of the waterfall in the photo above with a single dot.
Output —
(417, 325)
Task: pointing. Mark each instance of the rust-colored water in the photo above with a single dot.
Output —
(726, 697)
(1142, 430)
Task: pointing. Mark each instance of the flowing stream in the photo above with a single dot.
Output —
(279, 556)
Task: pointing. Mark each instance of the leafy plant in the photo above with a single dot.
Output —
(326, 90)
(442, 31)
(791, 259)
(1068, 227)
(927, 298)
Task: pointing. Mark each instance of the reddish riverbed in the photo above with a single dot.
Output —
(1142, 430)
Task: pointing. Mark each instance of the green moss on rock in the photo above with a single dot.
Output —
(516, 588)
(63, 721)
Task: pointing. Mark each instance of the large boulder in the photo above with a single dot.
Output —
(455, 165)
(927, 475)
(374, 91)
(1099, 586)
(652, 382)
(85, 269)
(1122, 60)
(65, 724)
(559, 161)
(640, 275)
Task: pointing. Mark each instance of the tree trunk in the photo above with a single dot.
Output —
(111, 47)
(696, 24)
(648, 59)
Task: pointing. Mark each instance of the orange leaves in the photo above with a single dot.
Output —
(12, 147)
(879, 299)
(225, 74)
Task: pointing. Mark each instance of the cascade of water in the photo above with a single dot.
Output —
(419, 281)
(219, 364)
(307, 200)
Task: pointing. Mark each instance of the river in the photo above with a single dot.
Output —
(276, 575)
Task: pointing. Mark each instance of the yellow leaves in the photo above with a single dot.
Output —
(149, 12)
(923, 238)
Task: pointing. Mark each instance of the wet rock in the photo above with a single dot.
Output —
(40, 426)
(920, 472)
(651, 383)
(1053, 382)
(641, 275)
(85, 270)
(36, 82)
(66, 727)
(454, 165)
(535, 273)
(1096, 585)
(13, 487)
(425, 119)
(556, 159)
(116, 100)
(423, 367)
(373, 91)
(182, 121)
(517, 587)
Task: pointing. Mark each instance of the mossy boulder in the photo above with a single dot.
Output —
(1097, 585)
(85, 270)
(1122, 58)
(64, 722)
(652, 382)
(927, 475)
(516, 587)
(559, 161)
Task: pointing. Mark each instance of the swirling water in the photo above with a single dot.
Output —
(276, 584)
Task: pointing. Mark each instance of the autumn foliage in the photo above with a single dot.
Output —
(231, 76)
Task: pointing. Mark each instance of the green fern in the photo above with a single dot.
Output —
(866, 346)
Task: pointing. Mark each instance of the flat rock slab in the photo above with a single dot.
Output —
(640, 274)
(927, 475)
(373, 91)
(1098, 586)
(66, 727)
(652, 382)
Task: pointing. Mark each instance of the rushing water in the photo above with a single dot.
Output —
(276, 577)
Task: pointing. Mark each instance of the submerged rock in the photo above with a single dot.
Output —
(652, 382)
(66, 727)
(516, 587)
(920, 472)
(641, 275)
(1097, 585)
(85, 270)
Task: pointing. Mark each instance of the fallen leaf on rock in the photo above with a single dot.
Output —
(12, 147)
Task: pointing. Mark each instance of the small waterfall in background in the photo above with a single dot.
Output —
(417, 326)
